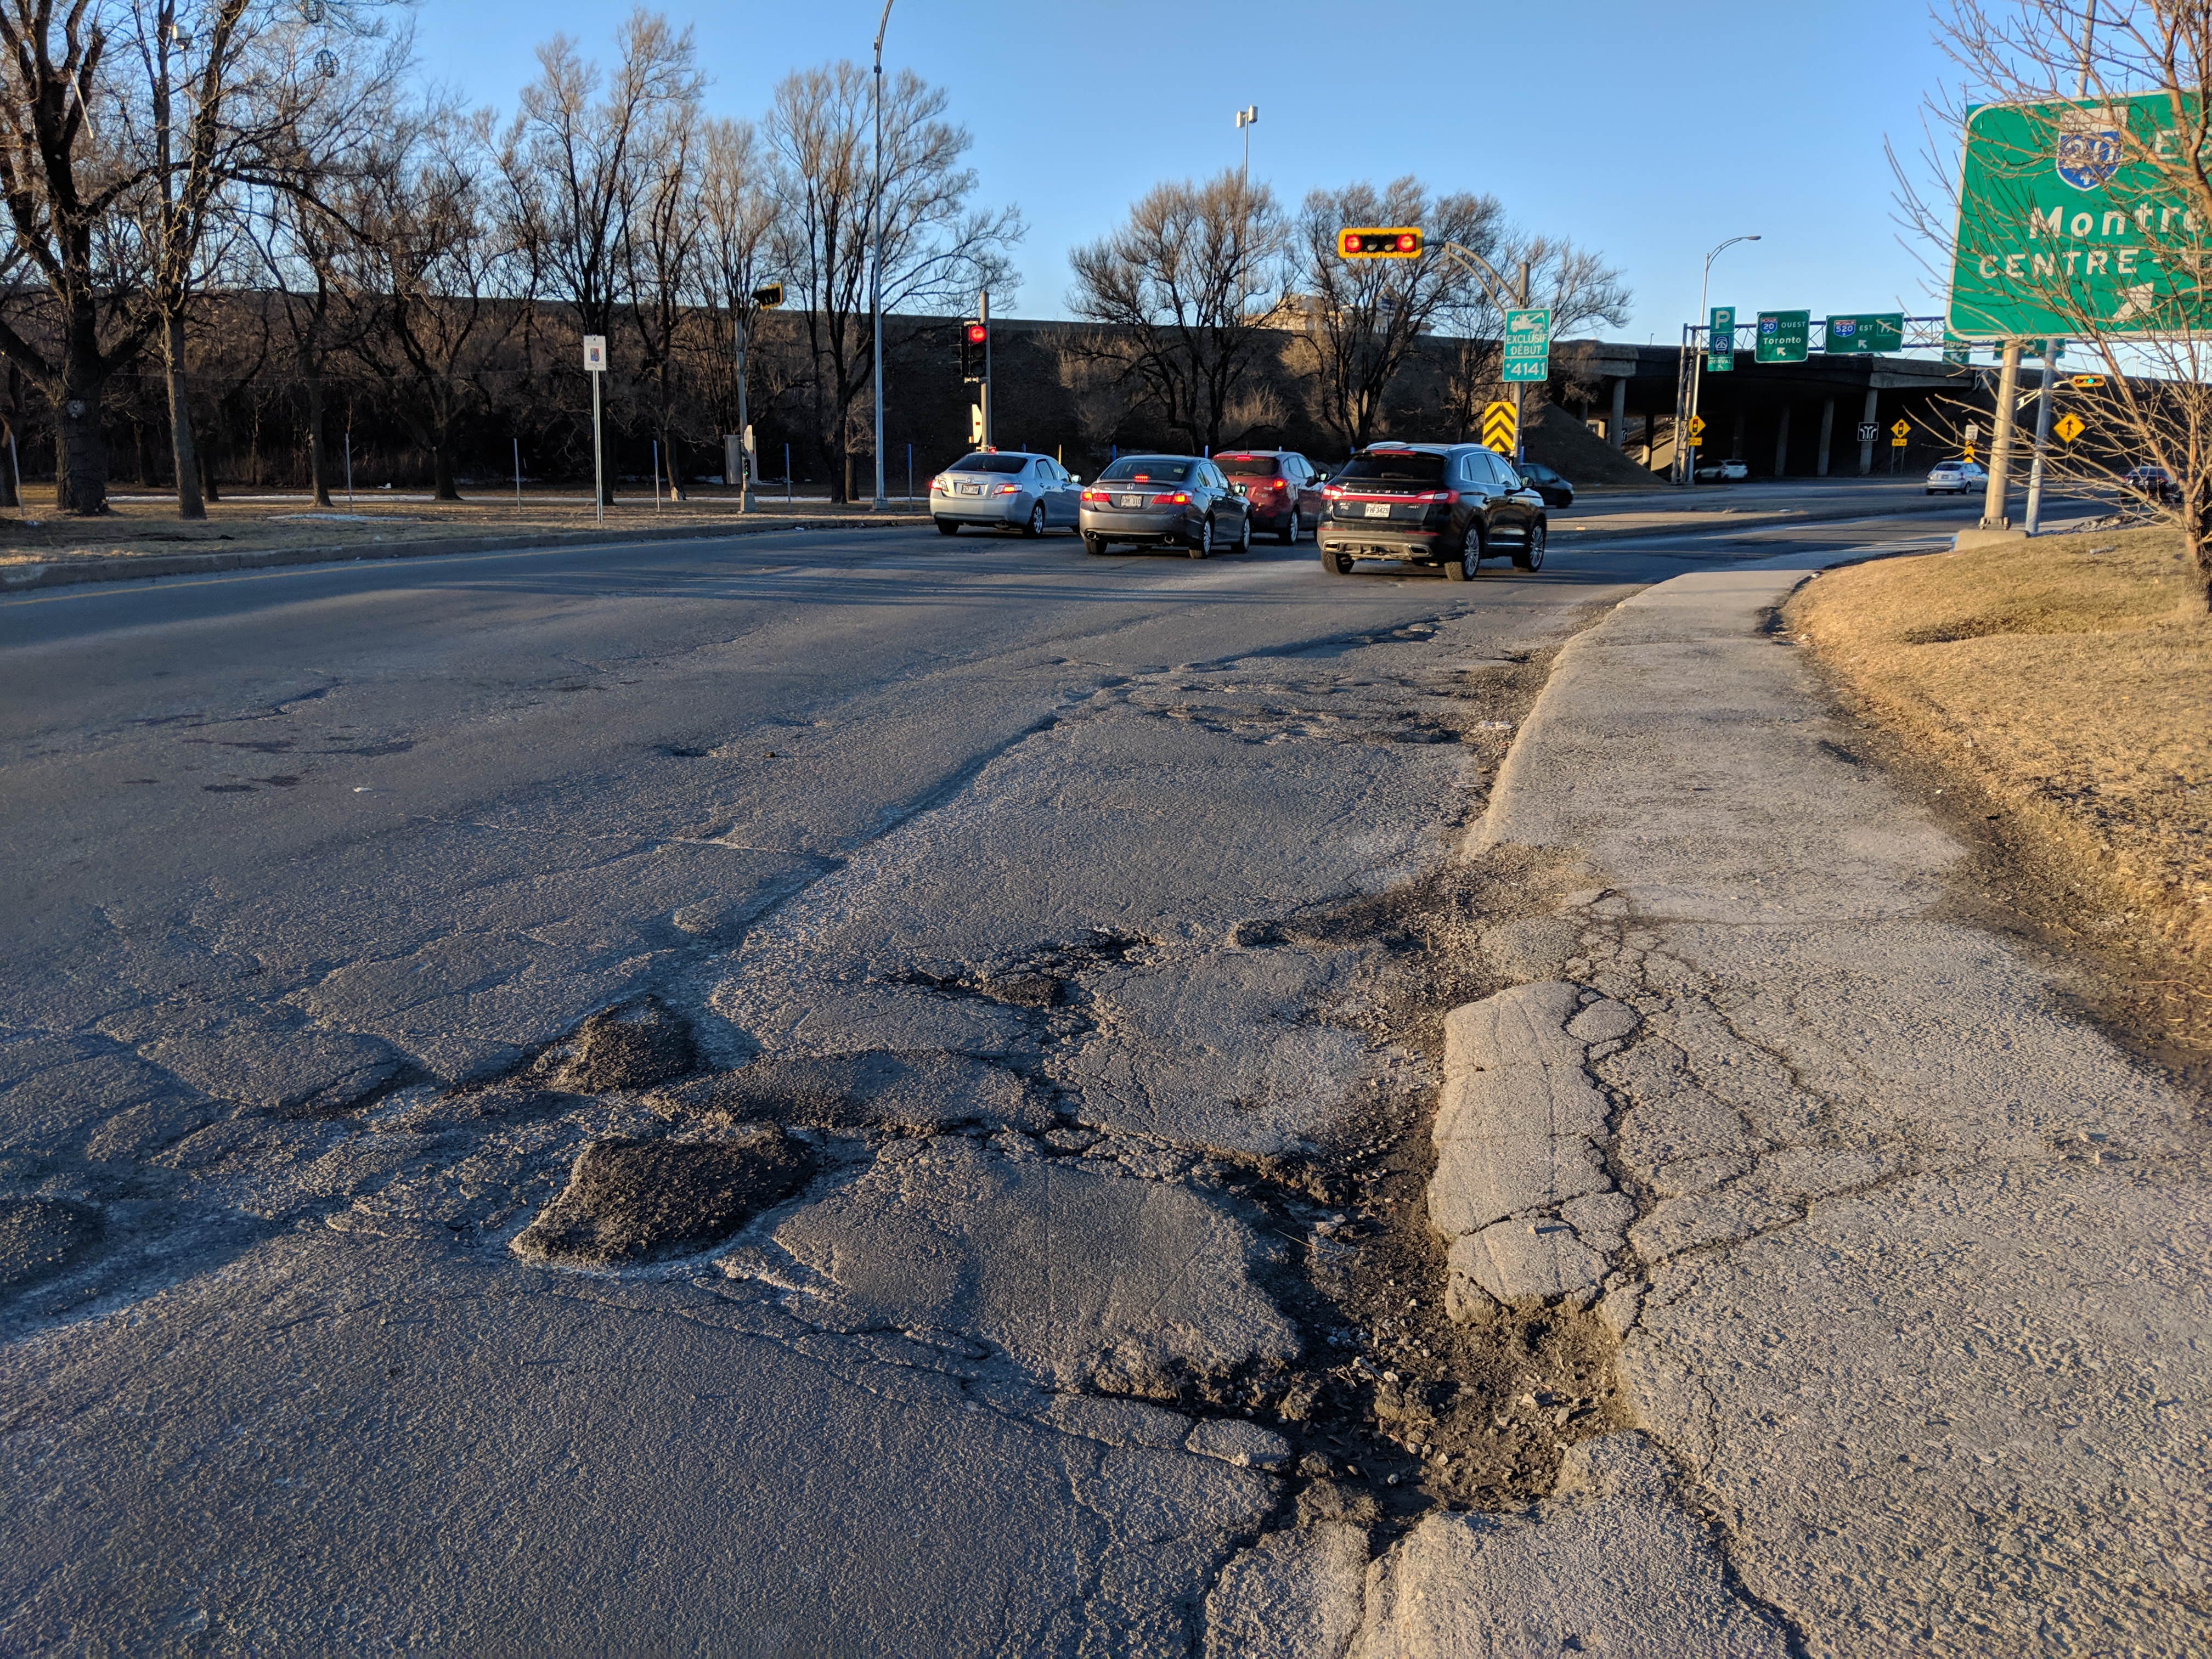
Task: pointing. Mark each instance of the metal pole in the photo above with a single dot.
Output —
(876, 247)
(983, 315)
(349, 469)
(1993, 500)
(518, 476)
(1689, 470)
(2088, 35)
(744, 459)
(599, 466)
(2050, 351)
(656, 475)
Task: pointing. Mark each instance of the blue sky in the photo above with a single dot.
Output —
(1652, 133)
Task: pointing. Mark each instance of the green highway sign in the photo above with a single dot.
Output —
(1869, 332)
(1782, 336)
(2071, 222)
(1527, 345)
(1720, 340)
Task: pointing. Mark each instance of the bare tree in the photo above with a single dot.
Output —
(1361, 318)
(1186, 288)
(2090, 216)
(575, 162)
(936, 249)
(430, 271)
(738, 203)
(661, 246)
(1575, 283)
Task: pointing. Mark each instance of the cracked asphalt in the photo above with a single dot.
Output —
(832, 1092)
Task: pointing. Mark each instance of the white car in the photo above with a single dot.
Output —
(1722, 472)
(1956, 478)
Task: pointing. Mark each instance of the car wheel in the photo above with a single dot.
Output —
(1530, 554)
(948, 526)
(1290, 530)
(1244, 535)
(1336, 563)
(1035, 527)
(1094, 544)
(1204, 544)
(1468, 565)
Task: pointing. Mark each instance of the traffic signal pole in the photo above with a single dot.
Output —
(983, 314)
(2051, 349)
(2000, 443)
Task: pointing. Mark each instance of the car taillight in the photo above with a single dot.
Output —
(1331, 492)
(1094, 496)
(1179, 499)
(1264, 486)
(1447, 497)
(936, 484)
(1007, 489)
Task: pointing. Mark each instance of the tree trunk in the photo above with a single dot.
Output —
(80, 456)
(190, 503)
(668, 460)
(150, 471)
(318, 459)
(441, 471)
(207, 477)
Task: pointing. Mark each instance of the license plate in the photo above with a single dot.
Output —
(971, 490)
(1378, 509)
(1128, 501)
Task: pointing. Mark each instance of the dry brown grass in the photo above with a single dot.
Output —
(2071, 678)
(147, 525)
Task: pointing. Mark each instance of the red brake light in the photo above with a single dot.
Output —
(1445, 496)
(1179, 499)
(1330, 492)
(1007, 489)
(1094, 494)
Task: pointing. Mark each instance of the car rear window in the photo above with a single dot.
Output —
(1249, 466)
(1409, 467)
(980, 463)
(1147, 469)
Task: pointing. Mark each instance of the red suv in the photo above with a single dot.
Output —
(1283, 489)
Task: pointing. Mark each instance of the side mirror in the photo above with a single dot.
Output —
(1075, 478)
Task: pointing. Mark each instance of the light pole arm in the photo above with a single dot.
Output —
(1500, 295)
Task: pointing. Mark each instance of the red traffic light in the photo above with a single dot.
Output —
(1380, 242)
(977, 333)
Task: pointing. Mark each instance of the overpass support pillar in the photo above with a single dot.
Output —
(1617, 428)
(1782, 444)
(1827, 436)
(1866, 445)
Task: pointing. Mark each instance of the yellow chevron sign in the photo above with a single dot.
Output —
(1499, 427)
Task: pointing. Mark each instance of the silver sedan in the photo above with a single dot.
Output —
(1004, 490)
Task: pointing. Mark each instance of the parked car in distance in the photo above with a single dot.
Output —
(1004, 490)
(2153, 484)
(1171, 500)
(1956, 478)
(1721, 472)
(1555, 489)
(1453, 505)
(1283, 488)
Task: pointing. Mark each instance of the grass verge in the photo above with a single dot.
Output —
(2069, 682)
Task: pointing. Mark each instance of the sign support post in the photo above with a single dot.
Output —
(595, 364)
(983, 314)
(1993, 500)
(2051, 352)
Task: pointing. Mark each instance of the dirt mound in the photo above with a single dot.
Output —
(1563, 443)
(633, 1046)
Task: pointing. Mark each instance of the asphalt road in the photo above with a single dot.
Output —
(960, 865)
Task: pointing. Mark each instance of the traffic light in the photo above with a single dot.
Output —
(975, 336)
(769, 296)
(1395, 242)
(2087, 382)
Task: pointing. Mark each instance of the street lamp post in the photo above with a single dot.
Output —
(1686, 470)
(876, 271)
(1245, 119)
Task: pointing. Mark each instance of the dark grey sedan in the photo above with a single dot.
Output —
(1171, 501)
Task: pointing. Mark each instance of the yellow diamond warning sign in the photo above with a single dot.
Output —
(2069, 427)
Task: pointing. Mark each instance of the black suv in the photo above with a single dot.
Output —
(1453, 505)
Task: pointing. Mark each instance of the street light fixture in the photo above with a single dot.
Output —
(1685, 471)
(1246, 118)
(876, 272)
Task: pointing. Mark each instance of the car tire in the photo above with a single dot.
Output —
(1035, 528)
(1335, 563)
(948, 526)
(1093, 545)
(1204, 544)
(1290, 530)
(1529, 556)
(1468, 563)
(1244, 535)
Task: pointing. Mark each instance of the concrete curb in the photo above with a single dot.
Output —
(1771, 521)
(24, 577)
